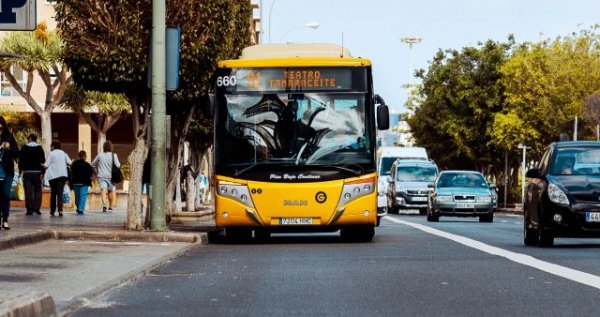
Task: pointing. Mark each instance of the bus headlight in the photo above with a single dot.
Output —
(356, 189)
(236, 192)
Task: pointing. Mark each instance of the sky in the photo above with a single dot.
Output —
(373, 29)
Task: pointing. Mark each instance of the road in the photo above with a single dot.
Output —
(457, 267)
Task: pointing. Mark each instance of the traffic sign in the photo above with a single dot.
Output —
(18, 15)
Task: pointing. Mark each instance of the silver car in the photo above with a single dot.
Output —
(461, 194)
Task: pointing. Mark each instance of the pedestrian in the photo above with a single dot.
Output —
(31, 167)
(81, 180)
(202, 182)
(9, 152)
(102, 164)
(57, 174)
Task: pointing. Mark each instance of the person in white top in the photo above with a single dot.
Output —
(102, 165)
(57, 175)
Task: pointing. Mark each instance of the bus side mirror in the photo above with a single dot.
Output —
(383, 114)
(208, 105)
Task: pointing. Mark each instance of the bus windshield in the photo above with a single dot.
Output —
(318, 128)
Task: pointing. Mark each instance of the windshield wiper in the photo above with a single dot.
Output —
(343, 167)
(237, 173)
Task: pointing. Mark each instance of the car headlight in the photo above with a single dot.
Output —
(443, 198)
(556, 195)
(484, 199)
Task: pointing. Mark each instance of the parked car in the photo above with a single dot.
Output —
(461, 194)
(409, 182)
(563, 195)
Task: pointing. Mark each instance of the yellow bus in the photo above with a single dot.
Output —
(294, 149)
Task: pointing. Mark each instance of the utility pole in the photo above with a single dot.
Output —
(158, 146)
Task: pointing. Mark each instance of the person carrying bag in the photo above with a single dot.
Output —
(104, 164)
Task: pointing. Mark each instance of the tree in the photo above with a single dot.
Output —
(591, 111)
(546, 85)
(460, 94)
(107, 49)
(110, 108)
(37, 52)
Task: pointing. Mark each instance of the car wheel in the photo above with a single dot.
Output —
(545, 237)
(431, 217)
(487, 218)
(530, 236)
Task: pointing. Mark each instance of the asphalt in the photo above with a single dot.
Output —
(52, 265)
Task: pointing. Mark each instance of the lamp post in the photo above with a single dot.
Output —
(524, 147)
(312, 25)
(410, 40)
(271, 11)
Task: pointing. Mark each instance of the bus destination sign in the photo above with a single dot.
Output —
(286, 79)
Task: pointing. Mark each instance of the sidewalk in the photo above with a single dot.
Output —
(51, 265)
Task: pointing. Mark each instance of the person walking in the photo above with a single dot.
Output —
(31, 164)
(57, 175)
(102, 164)
(9, 152)
(81, 180)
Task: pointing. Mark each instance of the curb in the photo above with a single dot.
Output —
(82, 300)
(29, 238)
(28, 304)
(143, 236)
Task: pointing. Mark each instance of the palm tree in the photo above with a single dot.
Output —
(38, 52)
(110, 106)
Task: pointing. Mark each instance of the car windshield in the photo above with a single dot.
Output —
(468, 180)
(576, 161)
(415, 174)
(386, 165)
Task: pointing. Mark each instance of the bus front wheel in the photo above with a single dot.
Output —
(358, 233)
(238, 235)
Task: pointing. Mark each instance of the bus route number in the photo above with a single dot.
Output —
(226, 81)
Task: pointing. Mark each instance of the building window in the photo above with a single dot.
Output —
(6, 89)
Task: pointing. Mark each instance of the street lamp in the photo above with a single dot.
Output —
(410, 40)
(312, 25)
(524, 147)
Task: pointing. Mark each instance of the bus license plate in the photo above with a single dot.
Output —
(592, 216)
(295, 221)
(464, 205)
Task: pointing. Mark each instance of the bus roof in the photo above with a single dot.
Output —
(274, 55)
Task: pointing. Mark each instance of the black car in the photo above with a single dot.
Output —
(563, 195)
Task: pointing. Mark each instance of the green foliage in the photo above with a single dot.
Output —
(21, 124)
(79, 100)
(33, 51)
(460, 94)
(547, 84)
(108, 41)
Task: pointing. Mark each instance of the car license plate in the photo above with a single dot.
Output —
(464, 205)
(592, 216)
(295, 221)
(419, 198)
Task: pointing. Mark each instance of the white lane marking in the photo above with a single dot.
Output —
(555, 269)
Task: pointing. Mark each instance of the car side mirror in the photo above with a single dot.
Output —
(534, 173)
